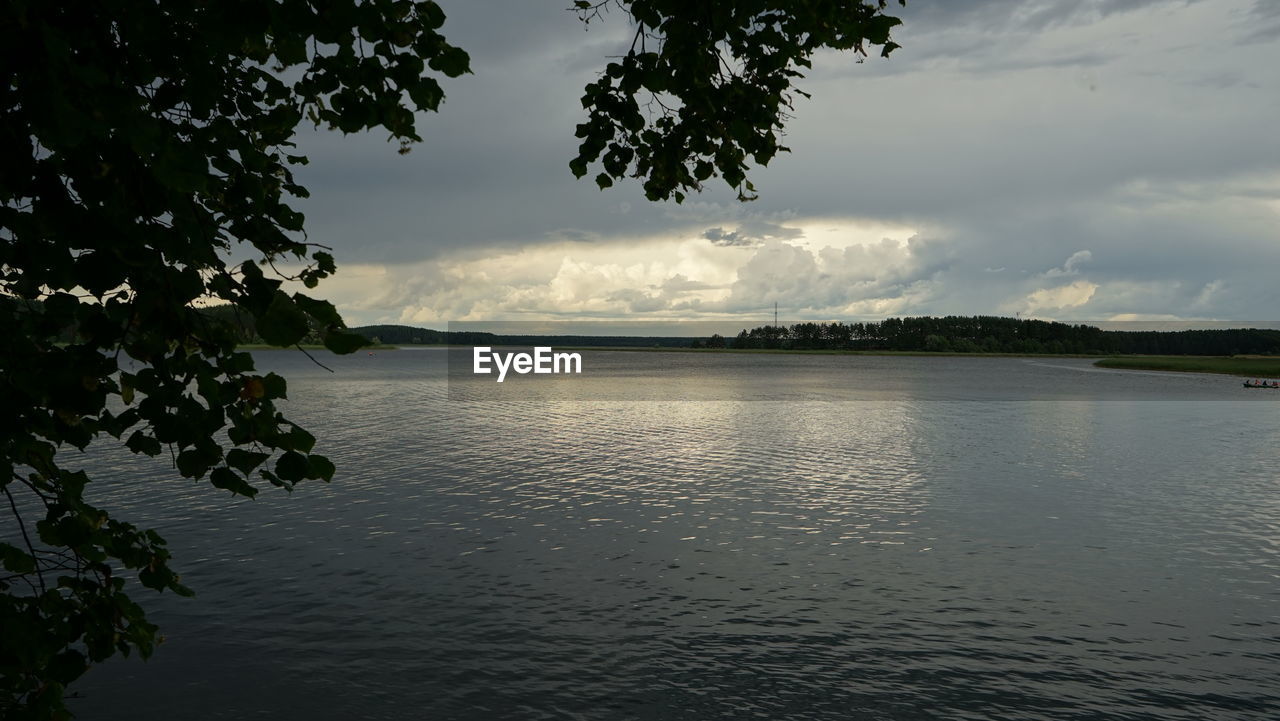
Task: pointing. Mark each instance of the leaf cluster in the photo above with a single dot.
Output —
(146, 144)
(719, 79)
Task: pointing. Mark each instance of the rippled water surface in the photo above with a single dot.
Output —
(800, 543)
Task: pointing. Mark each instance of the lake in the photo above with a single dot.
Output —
(726, 536)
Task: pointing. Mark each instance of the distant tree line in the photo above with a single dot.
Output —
(993, 334)
(409, 335)
(237, 321)
(949, 334)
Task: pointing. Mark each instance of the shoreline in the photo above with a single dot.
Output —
(1239, 366)
(1264, 367)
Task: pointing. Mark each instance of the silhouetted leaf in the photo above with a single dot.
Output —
(320, 467)
(245, 461)
(292, 467)
(284, 323)
(17, 560)
(342, 343)
(223, 477)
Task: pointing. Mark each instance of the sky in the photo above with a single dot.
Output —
(1073, 160)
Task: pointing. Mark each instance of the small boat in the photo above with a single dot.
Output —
(1273, 386)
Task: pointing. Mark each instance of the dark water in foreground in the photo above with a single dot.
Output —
(1064, 555)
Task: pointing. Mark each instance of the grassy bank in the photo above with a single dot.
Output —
(815, 351)
(1250, 366)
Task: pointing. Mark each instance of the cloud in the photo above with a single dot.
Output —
(679, 284)
(1208, 295)
(836, 281)
(638, 301)
(1027, 15)
(724, 238)
(546, 281)
(651, 279)
(1263, 22)
(1055, 300)
(1071, 267)
(751, 232)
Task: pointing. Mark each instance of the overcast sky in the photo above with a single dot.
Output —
(1061, 159)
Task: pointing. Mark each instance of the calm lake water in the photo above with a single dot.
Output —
(810, 537)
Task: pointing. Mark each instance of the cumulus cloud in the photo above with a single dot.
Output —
(1052, 301)
(546, 281)
(686, 279)
(834, 282)
(678, 284)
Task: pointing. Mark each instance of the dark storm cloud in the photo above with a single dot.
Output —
(1263, 22)
(493, 167)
